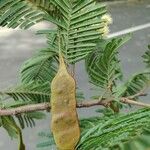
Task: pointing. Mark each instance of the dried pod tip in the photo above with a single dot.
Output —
(61, 62)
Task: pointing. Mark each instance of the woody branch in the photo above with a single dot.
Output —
(83, 104)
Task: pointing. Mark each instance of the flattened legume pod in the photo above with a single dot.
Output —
(64, 122)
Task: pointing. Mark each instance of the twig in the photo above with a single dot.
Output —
(24, 109)
(141, 93)
(90, 103)
(128, 101)
(46, 106)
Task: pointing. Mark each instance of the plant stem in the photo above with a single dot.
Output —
(84, 104)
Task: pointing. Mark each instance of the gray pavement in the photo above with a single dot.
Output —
(17, 46)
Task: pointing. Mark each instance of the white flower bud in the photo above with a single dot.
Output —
(104, 31)
(107, 18)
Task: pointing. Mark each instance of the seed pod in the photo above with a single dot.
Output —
(64, 123)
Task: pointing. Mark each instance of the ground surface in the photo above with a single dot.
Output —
(17, 46)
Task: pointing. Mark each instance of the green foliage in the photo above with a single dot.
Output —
(104, 71)
(79, 21)
(48, 140)
(28, 119)
(32, 92)
(80, 25)
(107, 132)
(136, 84)
(102, 65)
(26, 13)
(41, 68)
(141, 142)
(114, 131)
(146, 57)
(13, 130)
(81, 31)
(23, 95)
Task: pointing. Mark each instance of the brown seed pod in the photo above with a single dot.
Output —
(64, 123)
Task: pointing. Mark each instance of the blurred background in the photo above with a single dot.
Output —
(16, 46)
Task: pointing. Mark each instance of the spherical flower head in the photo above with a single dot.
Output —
(107, 18)
(104, 31)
